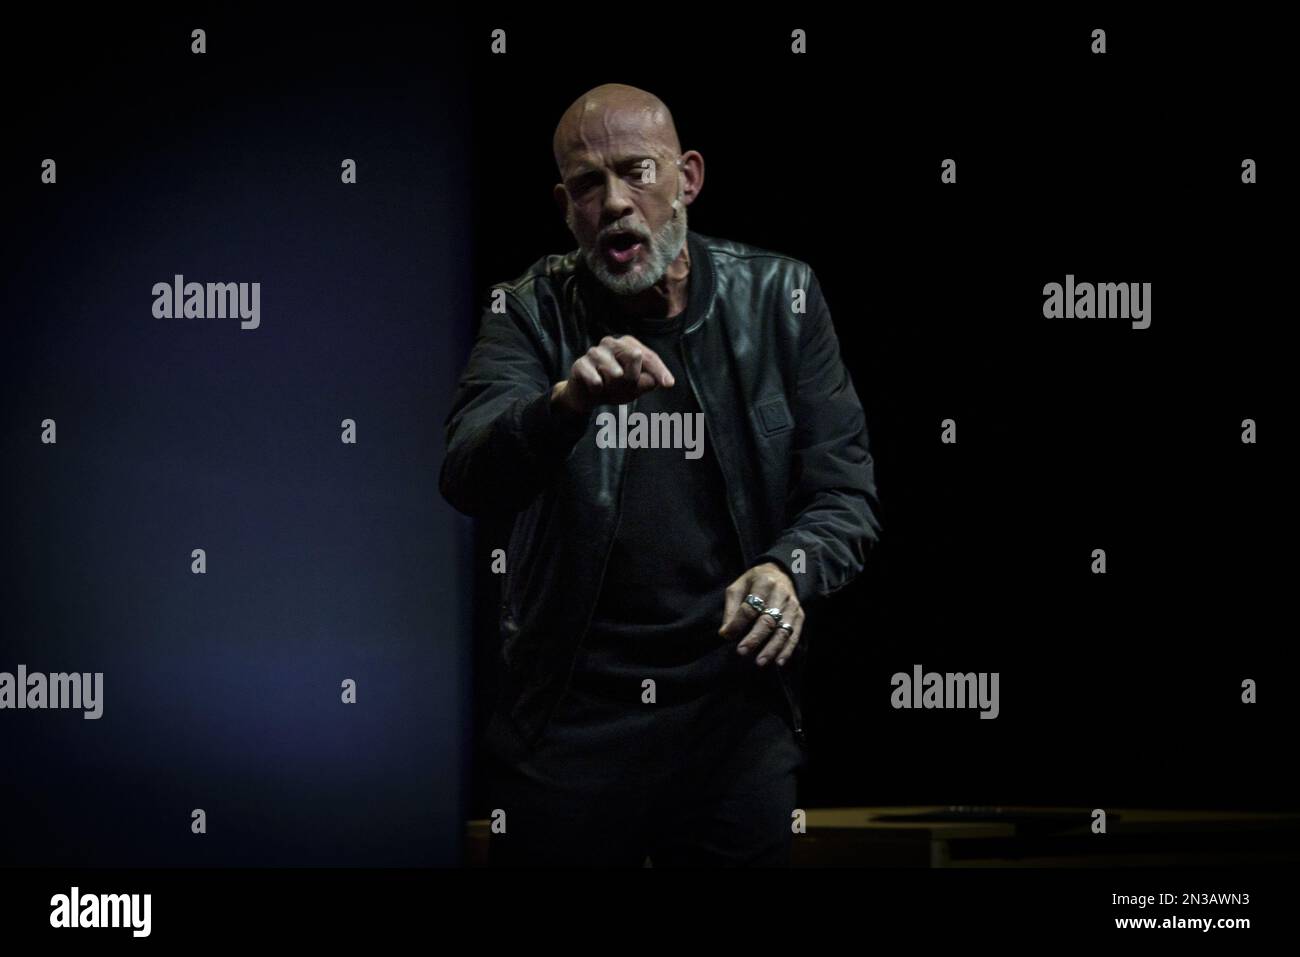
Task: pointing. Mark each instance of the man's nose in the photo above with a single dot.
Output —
(618, 201)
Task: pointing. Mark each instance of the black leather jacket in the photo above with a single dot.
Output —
(786, 424)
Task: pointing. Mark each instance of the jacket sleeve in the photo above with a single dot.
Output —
(504, 444)
(832, 509)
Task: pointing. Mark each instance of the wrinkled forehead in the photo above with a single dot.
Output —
(603, 132)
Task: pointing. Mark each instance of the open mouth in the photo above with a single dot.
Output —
(622, 247)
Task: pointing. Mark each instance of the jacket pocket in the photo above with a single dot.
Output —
(773, 414)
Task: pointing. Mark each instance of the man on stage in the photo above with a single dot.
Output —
(657, 572)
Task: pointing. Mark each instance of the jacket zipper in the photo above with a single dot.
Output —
(795, 718)
(604, 565)
(591, 612)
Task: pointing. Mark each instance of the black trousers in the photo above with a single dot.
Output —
(709, 782)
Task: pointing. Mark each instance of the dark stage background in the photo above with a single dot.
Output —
(326, 561)
(329, 561)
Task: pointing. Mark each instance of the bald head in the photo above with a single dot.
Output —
(611, 112)
(624, 188)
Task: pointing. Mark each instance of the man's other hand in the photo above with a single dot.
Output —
(770, 583)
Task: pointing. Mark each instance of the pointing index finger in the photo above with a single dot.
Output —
(651, 363)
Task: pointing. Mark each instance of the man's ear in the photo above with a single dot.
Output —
(561, 198)
(692, 174)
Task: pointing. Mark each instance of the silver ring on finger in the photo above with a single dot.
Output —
(787, 628)
(754, 602)
(774, 613)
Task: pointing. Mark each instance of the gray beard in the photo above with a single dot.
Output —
(665, 246)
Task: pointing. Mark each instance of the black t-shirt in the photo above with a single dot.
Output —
(675, 550)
